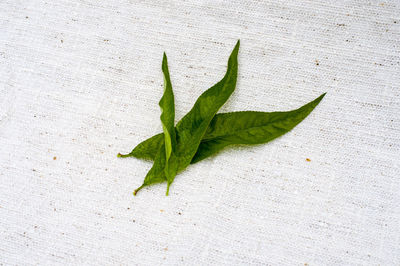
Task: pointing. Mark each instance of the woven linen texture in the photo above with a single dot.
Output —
(80, 81)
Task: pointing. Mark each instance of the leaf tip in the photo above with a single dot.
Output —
(236, 49)
(164, 65)
(321, 97)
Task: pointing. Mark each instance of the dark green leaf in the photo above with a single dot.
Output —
(157, 171)
(235, 128)
(249, 128)
(167, 106)
(167, 148)
(146, 149)
(167, 117)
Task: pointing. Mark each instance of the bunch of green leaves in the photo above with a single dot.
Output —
(202, 132)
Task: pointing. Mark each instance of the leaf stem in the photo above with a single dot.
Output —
(137, 190)
(119, 155)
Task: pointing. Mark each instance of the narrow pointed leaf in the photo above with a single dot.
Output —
(166, 151)
(167, 117)
(157, 172)
(235, 128)
(147, 149)
(167, 106)
(192, 127)
(250, 128)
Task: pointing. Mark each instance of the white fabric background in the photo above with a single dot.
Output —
(81, 80)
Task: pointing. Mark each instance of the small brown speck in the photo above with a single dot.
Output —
(35, 226)
(133, 221)
(128, 208)
(62, 41)
(179, 213)
(26, 17)
(55, 209)
(161, 210)
(305, 264)
(166, 249)
(341, 24)
(317, 62)
(54, 158)
(308, 159)
(106, 40)
(34, 170)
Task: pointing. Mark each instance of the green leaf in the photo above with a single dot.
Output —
(146, 149)
(157, 172)
(167, 117)
(249, 127)
(235, 128)
(167, 106)
(164, 166)
(191, 128)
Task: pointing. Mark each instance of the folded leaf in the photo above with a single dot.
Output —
(165, 151)
(167, 106)
(235, 128)
(191, 128)
(167, 117)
